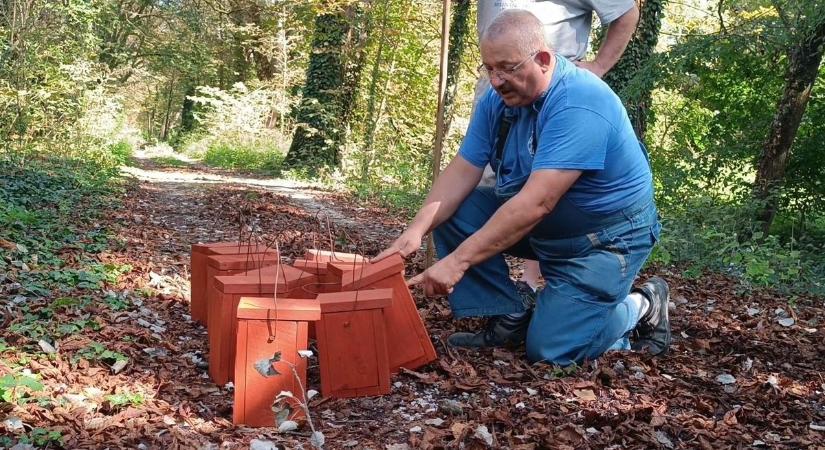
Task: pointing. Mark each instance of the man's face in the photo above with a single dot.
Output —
(516, 76)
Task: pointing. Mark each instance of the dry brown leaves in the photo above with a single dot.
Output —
(623, 400)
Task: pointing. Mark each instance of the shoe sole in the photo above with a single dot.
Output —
(666, 316)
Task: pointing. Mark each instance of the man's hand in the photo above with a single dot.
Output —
(441, 277)
(593, 66)
(408, 243)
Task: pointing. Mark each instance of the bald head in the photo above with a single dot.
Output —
(518, 26)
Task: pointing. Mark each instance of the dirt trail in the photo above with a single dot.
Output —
(180, 182)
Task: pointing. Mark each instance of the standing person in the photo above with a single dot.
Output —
(573, 190)
(567, 26)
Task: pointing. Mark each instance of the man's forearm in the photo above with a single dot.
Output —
(516, 217)
(619, 33)
(507, 226)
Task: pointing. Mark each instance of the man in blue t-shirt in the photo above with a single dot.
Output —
(573, 190)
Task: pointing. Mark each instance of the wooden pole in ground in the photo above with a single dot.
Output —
(439, 120)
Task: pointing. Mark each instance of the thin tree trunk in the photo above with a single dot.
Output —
(458, 34)
(187, 114)
(168, 110)
(440, 119)
(803, 68)
(284, 70)
(371, 119)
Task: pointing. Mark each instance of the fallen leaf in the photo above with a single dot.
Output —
(317, 439)
(258, 444)
(458, 429)
(287, 425)
(484, 435)
(663, 439)
(7, 245)
(437, 422)
(13, 424)
(46, 347)
(586, 395)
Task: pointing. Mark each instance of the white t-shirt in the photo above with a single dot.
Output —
(566, 22)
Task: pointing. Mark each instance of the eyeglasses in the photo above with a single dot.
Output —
(504, 74)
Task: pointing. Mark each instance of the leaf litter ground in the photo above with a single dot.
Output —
(745, 369)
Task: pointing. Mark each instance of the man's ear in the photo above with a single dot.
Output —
(544, 57)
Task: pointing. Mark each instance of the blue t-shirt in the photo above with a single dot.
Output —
(579, 124)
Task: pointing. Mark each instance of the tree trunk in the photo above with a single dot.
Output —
(803, 68)
(637, 54)
(329, 94)
(187, 114)
(372, 120)
(168, 110)
(458, 39)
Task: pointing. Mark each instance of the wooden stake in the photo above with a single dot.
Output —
(439, 121)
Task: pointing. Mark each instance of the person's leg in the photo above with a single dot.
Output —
(587, 284)
(570, 325)
(486, 289)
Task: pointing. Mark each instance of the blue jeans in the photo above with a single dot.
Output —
(583, 309)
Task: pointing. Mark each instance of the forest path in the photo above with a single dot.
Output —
(729, 379)
(192, 175)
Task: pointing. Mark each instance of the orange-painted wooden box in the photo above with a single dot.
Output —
(266, 327)
(410, 345)
(329, 272)
(327, 256)
(224, 295)
(352, 345)
(197, 290)
(326, 281)
(222, 265)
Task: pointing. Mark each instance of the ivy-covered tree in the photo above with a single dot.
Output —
(333, 74)
(638, 53)
(459, 32)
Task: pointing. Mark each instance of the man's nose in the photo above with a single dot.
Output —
(495, 81)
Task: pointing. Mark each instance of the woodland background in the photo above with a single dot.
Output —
(727, 96)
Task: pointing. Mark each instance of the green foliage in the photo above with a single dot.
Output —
(707, 235)
(43, 205)
(555, 372)
(98, 352)
(406, 202)
(716, 99)
(41, 437)
(125, 398)
(15, 388)
(121, 152)
(244, 158)
(116, 301)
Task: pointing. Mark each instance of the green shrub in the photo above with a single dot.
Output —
(122, 152)
(239, 157)
(708, 235)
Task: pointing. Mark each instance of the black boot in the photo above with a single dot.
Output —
(500, 331)
(652, 333)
